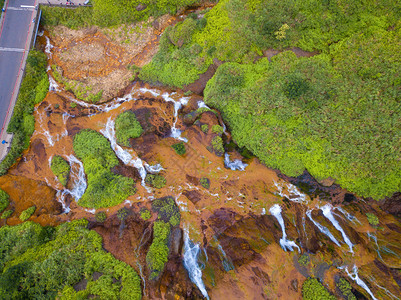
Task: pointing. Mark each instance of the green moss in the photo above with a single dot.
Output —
(60, 168)
(312, 289)
(217, 144)
(145, 214)
(105, 188)
(122, 213)
(205, 182)
(73, 105)
(27, 213)
(179, 148)
(346, 289)
(4, 200)
(303, 260)
(372, 219)
(167, 210)
(127, 126)
(6, 214)
(217, 129)
(156, 257)
(155, 180)
(205, 128)
(100, 217)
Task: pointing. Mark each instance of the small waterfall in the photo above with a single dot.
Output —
(153, 169)
(191, 252)
(202, 104)
(78, 173)
(354, 276)
(60, 196)
(175, 132)
(226, 262)
(293, 193)
(234, 165)
(347, 215)
(322, 228)
(327, 212)
(53, 85)
(275, 210)
(48, 47)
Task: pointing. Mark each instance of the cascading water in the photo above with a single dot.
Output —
(354, 276)
(275, 210)
(293, 193)
(78, 174)
(234, 165)
(327, 212)
(175, 132)
(191, 252)
(53, 85)
(48, 47)
(322, 228)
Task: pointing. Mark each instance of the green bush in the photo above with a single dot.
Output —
(167, 210)
(105, 189)
(45, 263)
(205, 128)
(179, 148)
(346, 289)
(217, 144)
(127, 126)
(156, 257)
(205, 182)
(4, 200)
(312, 289)
(61, 168)
(217, 129)
(372, 219)
(100, 217)
(157, 181)
(6, 214)
(34, 87)
(145, 214)
(122, 213)
(27, 213)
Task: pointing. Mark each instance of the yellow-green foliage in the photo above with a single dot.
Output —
(205, 128)
(156, 180)
(346, 289)
(157, 255)
(27, 213)
(179, 148)
(4, 200)
(146, 214)
(312, 289)
(43, 262)
(127, 126)
(217, 129)
(217, 144)
(105, 188)
(372, 219)
(6, 214)
(61, 169)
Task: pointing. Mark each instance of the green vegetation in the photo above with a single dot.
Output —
(7, 214)
(217, 144)
(61, 168)
(33, 90)
(217, 129)
(372, 219)
(100, 217)
(168, 216)
(4, 200)
(157, 181)
(45, 263)
(105, 188)
(179, 148)
(205, 182)
(110, 12)
(122, 213)
(346, 289)
(303, 260)
(127, 126)
(205, 128)
(27, 213)
(312, 289)
(334, 114)
(145, 214)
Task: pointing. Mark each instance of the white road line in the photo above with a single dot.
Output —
(28, 6)
(12, 49)
(20, 8)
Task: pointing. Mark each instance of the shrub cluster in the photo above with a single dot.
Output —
(345, 289)
(105, 188)
(217, 129)
(155, 180)
(372, 219)
(217, 145)
(27, 213)
(61, 168)
(4, 200)
(6, 214)
(205, 182)
(179, 148)
(145, 214)
(100, 217)
(312, 289)
(127, 126)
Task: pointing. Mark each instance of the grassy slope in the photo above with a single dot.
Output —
(334, 114)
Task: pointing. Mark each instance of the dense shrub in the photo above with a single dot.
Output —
(145, 214)
(156, 180)
(61, 168)
(179, 148)
(217, 144)
(205, 182)
(105, 188)
(372, 219)
(312, 289)
(158, 252)
(6, 214)
(346, 289)
(127, 126)
(100, 217)
(122, 213)
(167, 210)
(217, 129)
(27, 213)
(45, 263)
(4, 200)
(205, 128)
(34, 87)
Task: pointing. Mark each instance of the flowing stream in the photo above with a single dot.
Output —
(322, 228)
(235, 164)
(355, 277)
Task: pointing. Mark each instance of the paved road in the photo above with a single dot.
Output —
(14, 46)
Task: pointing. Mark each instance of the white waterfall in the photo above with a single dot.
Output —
(292, 193)
(60, 196)
(322, 228)
(354, 276)
(191, 252)
(275, 210)
(77, 173)
(48, 47)
(53, 85)
(327, 212)
(234, 165)
(175, 132)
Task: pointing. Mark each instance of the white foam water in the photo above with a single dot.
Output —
(175, 132)
(327, 212)
(234, 165)
(355, 277)
(322, 228)
(53, 85)
(191, 252)
(77, 173)
(48, 47)
(275, 210)
(292, 193)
